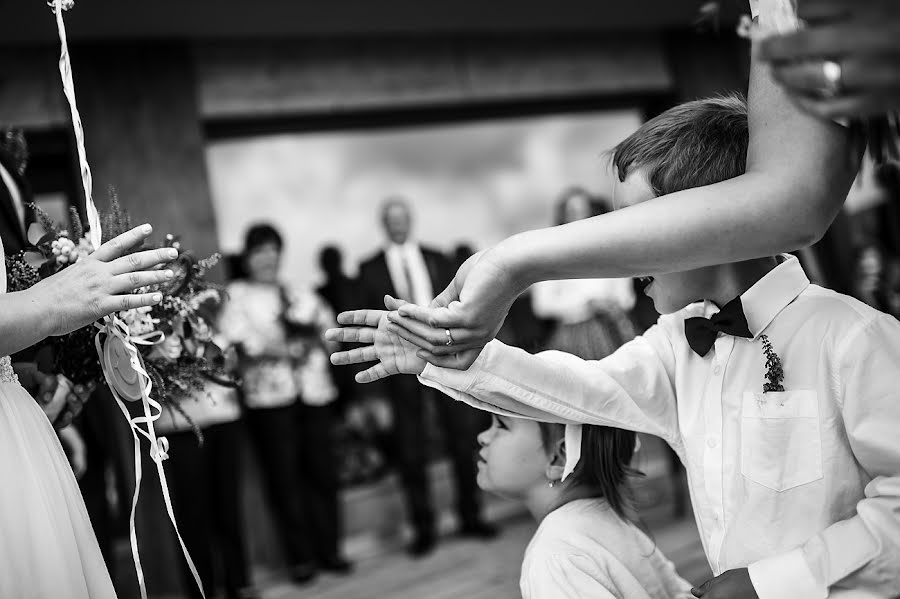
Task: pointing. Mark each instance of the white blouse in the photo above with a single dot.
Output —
(584, 549)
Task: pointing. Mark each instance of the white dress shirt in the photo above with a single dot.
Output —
(15, 194)
(584, 549)
(409, 256)
(802, 486)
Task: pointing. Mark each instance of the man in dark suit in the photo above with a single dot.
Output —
(15, 193)
(410, 271)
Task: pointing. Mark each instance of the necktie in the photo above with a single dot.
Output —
(701, 332)
(407, 276)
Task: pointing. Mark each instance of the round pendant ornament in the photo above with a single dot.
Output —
(122, 376)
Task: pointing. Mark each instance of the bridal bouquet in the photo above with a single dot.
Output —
(174, 338)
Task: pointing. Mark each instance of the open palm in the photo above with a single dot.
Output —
(393, 354)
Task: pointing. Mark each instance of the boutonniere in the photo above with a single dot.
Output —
(774, 370)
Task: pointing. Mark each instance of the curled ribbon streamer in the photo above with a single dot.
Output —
(159, 446)
(65, 72)
(114, 326)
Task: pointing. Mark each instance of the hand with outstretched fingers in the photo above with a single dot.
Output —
(104, 282)
(390, 352)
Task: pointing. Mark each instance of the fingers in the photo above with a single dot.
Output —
(142, 260)
(844, 106)
(117, 303)
(813, 11)
(443, 299)
(351, 335)
(828, 42)
(392, 303)
(372, 374)
(368, 318)
(438, 318)
(115, 248)
(432, 339)
(135, 280)
(357, 355)
(809, 76)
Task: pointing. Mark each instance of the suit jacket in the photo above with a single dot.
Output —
(375, 278)
(14, 238)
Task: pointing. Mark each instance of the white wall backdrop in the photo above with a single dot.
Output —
(475, 183)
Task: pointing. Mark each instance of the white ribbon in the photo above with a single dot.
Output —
(159, 446)
(112, 325)
(573, 449)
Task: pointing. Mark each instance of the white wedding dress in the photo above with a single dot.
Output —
(47, 546)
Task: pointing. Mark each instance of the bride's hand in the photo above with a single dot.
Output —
(103, 283)
(473, 308)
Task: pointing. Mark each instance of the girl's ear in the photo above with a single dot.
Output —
(556, 460)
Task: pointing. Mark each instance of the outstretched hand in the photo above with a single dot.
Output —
(104, 282)
(473, 308)
(392, 354)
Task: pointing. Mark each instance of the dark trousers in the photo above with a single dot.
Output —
(458, 424)
(206, 483)
(295, 446)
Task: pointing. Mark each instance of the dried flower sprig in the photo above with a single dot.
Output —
(774, 369)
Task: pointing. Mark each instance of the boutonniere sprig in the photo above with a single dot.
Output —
(774, 369)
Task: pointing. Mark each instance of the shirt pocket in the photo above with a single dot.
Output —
(781, 446)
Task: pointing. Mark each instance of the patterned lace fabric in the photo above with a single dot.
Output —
(7, 375)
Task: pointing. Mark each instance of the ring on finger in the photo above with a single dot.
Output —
(833, 74)
(449, 337)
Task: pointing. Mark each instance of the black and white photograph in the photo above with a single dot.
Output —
(397, 300)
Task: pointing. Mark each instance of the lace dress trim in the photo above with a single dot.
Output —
(7, 374)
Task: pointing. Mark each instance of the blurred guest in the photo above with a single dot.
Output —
(288, 394)
(461, 253)
(338, 291)
(590, 315)
(408, 270)
(15, 193)
(206, 488)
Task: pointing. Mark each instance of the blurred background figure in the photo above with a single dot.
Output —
(589, 316)
(206, 481)
(288, 394)
(408, 270)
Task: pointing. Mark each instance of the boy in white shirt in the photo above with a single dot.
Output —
(783, 405)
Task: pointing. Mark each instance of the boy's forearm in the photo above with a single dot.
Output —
(799, 170)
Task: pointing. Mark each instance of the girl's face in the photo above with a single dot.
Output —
(263, 262)
(512, 459)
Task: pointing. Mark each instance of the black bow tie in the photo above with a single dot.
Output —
(701, 332)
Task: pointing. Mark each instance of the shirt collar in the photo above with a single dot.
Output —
(772, 293)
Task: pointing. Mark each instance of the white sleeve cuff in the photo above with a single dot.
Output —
(461, 380)
(785, 576)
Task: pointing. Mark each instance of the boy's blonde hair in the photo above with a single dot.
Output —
(691, 145)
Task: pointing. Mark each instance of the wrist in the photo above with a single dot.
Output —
(40, 311)
(511, 258)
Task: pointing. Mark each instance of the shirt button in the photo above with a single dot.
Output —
(712, 442)
(717, 370)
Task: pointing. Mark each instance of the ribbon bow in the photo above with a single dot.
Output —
(701, 332)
